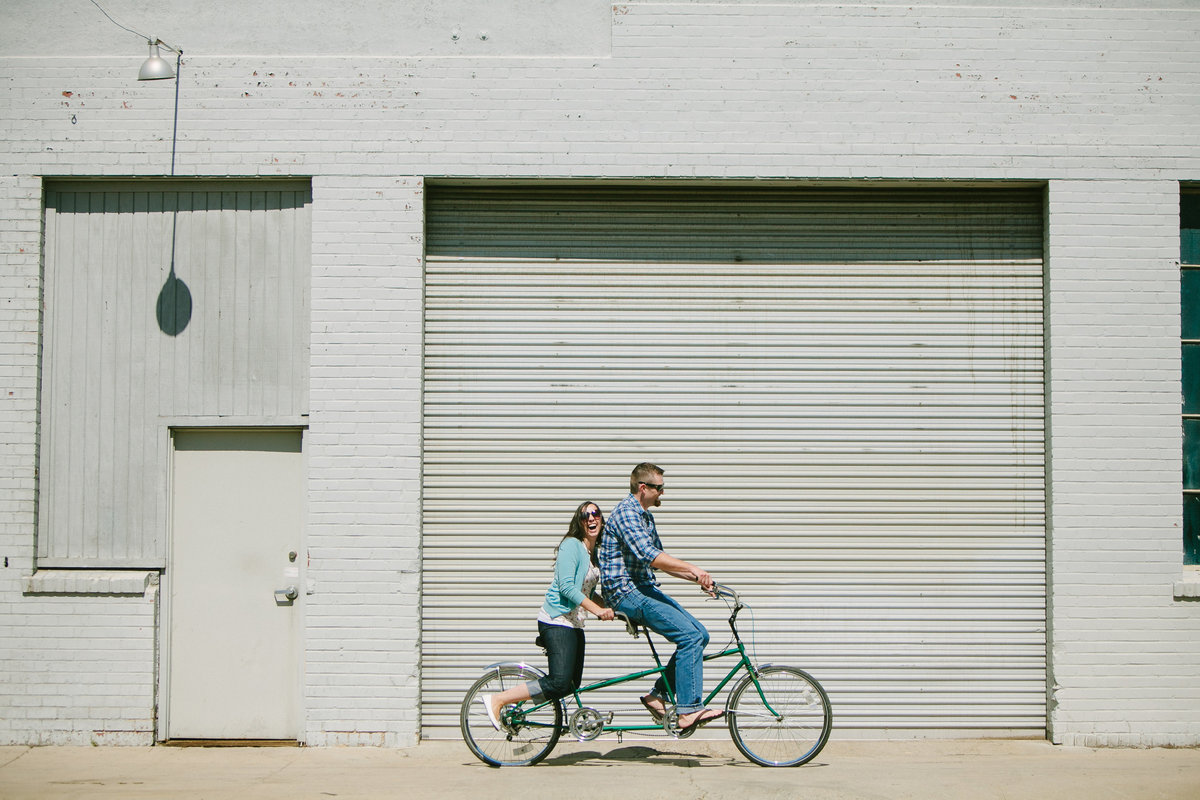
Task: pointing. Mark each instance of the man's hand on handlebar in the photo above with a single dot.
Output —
(703, 578)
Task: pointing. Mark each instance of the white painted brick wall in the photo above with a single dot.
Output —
(1123, 651)
(364, 454)
(79, 669)
(803, 90)
(1101, 102)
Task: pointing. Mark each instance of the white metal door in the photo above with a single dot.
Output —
(235, 582)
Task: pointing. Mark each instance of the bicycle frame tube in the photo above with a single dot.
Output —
(742, 663)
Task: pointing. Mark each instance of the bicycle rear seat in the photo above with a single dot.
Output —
(630, 627)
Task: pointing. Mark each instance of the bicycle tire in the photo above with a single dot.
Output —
(796, 733)
(530, 737)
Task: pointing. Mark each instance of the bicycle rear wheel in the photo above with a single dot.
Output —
(526, 736)
(787, 730)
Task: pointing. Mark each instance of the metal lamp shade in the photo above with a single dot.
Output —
(155, 68)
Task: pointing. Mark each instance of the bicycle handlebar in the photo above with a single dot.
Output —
(721, 590)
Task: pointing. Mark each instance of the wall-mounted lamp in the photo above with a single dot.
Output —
(157, 68)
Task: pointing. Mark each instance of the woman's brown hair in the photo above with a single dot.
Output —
(577, 530)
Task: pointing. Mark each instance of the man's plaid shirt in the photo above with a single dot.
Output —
(627, 546)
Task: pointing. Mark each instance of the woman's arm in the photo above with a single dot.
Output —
(596, 609)
(570, 569)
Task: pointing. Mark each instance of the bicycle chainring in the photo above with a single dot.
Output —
(671, 725)
(586, 724)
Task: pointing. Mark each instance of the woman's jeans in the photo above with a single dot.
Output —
(564, 650)
(685, 671)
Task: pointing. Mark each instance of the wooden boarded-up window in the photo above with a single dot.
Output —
(163, 301)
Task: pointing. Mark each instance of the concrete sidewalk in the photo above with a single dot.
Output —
(642, 770)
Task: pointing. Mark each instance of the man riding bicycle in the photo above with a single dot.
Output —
(630, 551)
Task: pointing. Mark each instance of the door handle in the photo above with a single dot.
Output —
(286, 595)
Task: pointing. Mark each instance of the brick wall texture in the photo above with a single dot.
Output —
(1097, 101)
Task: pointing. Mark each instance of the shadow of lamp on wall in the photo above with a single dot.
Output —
(174, 307)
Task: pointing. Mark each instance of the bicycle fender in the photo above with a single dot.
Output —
(499, 664)
(761, 667)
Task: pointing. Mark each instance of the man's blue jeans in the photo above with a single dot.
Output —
(685, 671)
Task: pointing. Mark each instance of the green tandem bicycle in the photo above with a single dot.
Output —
(778, 716)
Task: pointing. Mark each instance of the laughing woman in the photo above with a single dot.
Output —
(560, 621)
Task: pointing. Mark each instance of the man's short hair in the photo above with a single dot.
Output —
(642, 473)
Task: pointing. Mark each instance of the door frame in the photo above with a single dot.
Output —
(162, 622)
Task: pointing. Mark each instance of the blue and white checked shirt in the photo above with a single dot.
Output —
(629, 543)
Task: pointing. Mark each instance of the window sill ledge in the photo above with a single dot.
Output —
(92, 581)
(1188, 587)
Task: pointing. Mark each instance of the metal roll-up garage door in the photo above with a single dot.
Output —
(844, 386)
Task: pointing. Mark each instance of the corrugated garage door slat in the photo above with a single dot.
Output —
(844, 385)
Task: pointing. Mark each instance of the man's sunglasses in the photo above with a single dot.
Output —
(658, 487)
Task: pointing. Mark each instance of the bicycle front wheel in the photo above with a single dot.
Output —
(784, 725)
(529, 731)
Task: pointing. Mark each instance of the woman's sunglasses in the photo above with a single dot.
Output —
(590, 514)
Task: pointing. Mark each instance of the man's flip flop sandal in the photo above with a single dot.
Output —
(654, 712)
(702, 720)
